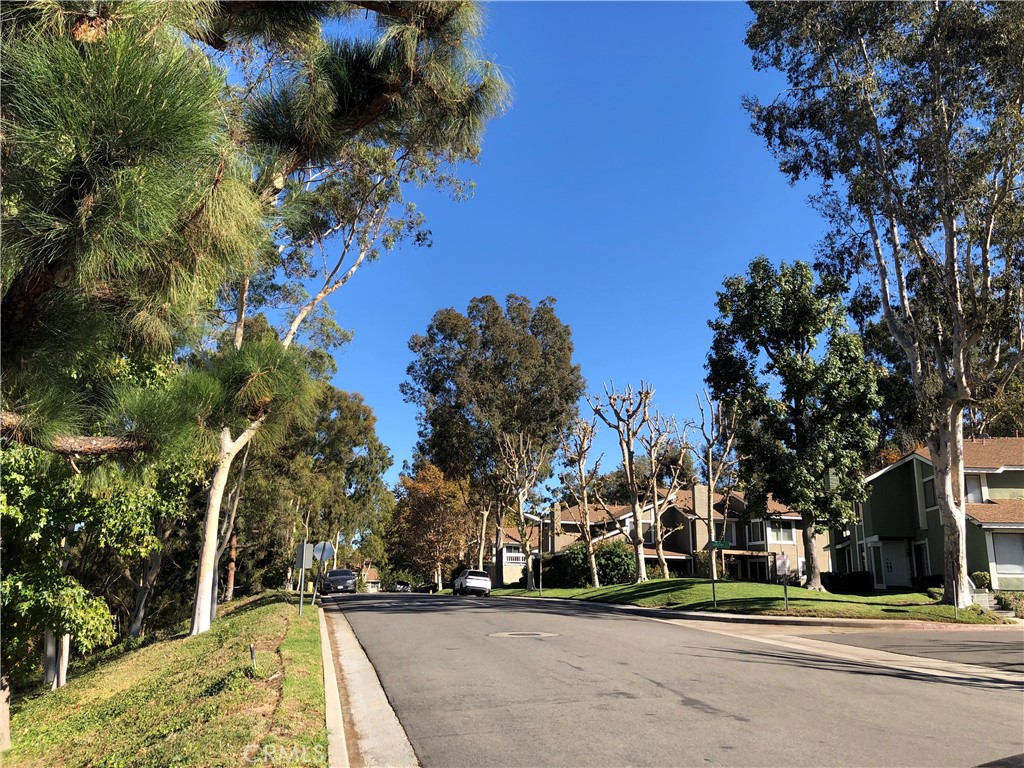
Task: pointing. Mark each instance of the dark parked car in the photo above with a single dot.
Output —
(341, 580)
(402, 586)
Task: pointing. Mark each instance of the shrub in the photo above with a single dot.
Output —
(1012, 601)
(567, 568)
(935, 593)
(655, 572)
(615, 563)
(981, 579)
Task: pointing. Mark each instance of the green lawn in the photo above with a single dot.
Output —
(189, 701)
(764, 599)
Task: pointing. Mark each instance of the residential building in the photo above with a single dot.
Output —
(763, 548)
(898, 535)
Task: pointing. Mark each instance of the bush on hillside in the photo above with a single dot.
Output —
(854, 582)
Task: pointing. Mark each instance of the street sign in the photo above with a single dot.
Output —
(782, 565)
(303, 556)
(719, 544)
(324, 550)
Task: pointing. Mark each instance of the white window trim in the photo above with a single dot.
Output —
(777, 527)
(750, 531)
(983, 481)
(927, 556)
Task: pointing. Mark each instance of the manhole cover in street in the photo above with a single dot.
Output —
(522, 634)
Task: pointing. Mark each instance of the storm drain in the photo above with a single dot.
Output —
(523, 634)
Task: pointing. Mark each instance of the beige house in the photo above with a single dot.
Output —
(760, 549)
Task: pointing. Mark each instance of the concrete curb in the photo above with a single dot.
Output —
(337, 749)
(380, 738)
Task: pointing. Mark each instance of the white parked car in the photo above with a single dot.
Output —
(472, 583)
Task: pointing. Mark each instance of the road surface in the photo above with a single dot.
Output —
(517, 682)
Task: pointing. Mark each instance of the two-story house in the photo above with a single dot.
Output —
(898, 535)
(759, 547)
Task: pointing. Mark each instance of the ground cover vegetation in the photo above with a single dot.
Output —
(175, 701)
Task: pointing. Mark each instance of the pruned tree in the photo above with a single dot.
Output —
(522, 461)
(910, 114)
(626, 413)
(579, 479)
(671, 471)
(804, 426)
(717, 460)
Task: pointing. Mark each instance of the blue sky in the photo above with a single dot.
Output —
(623, 181)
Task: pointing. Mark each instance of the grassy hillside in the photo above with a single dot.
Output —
(189, 701)
(765, 599)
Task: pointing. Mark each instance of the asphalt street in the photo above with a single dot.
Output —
(502, 682)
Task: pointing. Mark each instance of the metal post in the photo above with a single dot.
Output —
(302, 584)
(714, 597)
(540, 564)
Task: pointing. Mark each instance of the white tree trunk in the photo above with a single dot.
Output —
(64, 656)
(203, 609)
(946, 446)
(638, 544)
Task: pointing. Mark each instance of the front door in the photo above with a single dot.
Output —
(895, 564)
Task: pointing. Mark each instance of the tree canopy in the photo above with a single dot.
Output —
(910, 116)
(804, 427)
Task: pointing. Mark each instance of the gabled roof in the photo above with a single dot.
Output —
(998, 512)
(511, 533)
(598, 514)
(371, 574)
(994, 453)
(987, 454)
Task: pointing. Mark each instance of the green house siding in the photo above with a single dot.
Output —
(933, 535)
(1006, 485)
(977, 549)
(891, 508)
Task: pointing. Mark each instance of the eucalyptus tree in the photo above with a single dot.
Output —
(343, 128)
(910, 115)
(496, 388)
(804, 424)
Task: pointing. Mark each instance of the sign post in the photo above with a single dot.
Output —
(303, 560)
(712, 546)
(782, 569)
(323, 551)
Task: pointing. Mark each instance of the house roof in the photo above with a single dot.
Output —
(994, 453)
(670, 554)
(998, 512)
(597, 513)
(987, 453)
(738, 502)
(371, 574)
(511, 533)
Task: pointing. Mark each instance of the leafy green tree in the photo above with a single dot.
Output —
(910, 114)
(496, 388)
(804, 427)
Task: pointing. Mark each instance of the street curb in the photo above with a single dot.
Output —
(380, 737)
(337, 749)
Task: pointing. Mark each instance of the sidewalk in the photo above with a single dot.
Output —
(375, 736)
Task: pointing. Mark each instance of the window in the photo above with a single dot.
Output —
(1009, 552)
(782, 533)
(929, 493)
(755, 532)
(974, 492)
